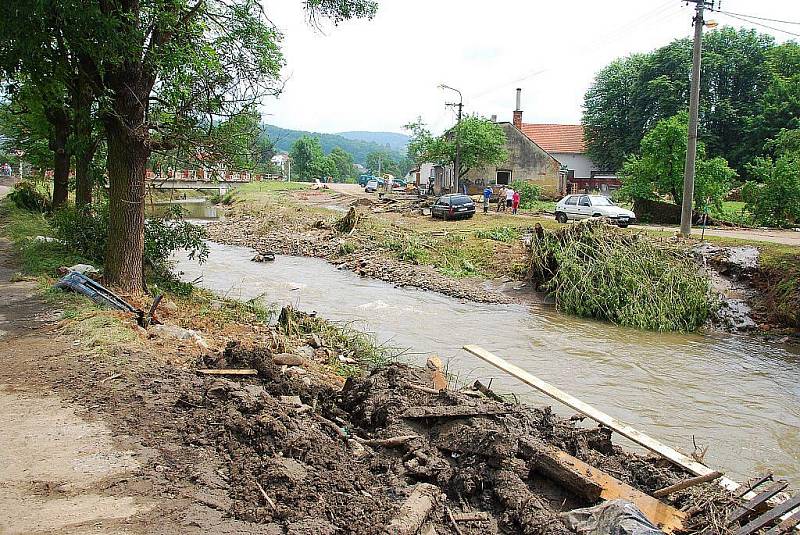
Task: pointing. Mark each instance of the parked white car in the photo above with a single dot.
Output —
(372, 185)
(583, 206)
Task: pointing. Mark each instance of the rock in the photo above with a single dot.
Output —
(177, 333)
(167, 306)
(314, 341)
(288, 359)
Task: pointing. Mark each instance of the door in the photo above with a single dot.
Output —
(441, 208)
(503, 178)
(571, 207)
(584, 207)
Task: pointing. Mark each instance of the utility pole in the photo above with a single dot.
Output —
(694, 105)
(460, 106)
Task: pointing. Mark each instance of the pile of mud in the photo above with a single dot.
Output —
(309, 458)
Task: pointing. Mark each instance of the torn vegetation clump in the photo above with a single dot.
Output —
(593, 269)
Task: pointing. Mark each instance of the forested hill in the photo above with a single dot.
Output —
(283, 138)
(397, 142)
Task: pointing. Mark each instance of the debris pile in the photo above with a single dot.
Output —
(393, 453)
(596, 270)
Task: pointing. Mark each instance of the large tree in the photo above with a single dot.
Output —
(162, 71)
(632, 94)
(479, 141)
(308, 160)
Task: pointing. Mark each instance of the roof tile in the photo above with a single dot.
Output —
(564, 138)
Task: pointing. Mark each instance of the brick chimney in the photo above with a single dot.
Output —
(518, 111)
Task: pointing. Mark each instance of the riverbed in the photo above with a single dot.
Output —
(738, 395)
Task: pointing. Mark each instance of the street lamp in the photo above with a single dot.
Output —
(460, 105)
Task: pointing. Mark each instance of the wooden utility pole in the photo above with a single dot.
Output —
(694, 105)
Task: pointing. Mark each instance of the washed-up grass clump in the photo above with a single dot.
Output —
(503, 234)
(595, 270)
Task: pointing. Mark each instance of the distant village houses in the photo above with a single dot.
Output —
(553, 156)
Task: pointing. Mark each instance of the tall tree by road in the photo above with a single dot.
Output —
(740, 71)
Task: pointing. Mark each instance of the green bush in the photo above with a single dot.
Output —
(85, 231)
(529, 192)
(775, 202)
(595, 270)
(26, 196)
(503, 234)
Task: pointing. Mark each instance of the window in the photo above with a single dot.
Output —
(602, 201)
(444, 201)
(503, 178)
(572, 201)
(585, 201)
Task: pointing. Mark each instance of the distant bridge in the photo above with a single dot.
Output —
(204, 180)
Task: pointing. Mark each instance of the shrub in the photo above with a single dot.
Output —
(503, 234)
(85, 231)
(529, 192)
(26, 196)
(595, 270)
(776, 201)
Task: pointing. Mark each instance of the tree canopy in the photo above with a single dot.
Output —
(749, 91)
(482, 143)
(773, 198)
(161, 74)
(658, 171)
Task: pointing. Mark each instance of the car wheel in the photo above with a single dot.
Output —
(561, 217)
(470, 216)
(623, 225)
(597, 215)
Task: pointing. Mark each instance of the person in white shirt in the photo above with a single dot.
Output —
(509, 197)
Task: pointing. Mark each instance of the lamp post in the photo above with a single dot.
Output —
(460, 106)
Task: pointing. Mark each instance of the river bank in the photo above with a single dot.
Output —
(483, 258)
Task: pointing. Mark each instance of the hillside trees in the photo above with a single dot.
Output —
(747, 85)
(658, 170)
(482, 143)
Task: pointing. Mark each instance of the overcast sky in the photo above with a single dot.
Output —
(383, 73)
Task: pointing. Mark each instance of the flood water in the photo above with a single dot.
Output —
(737, 394)
(192, 208)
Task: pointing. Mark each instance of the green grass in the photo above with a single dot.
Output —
(37, 258)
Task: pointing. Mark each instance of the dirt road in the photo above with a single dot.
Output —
(783, 237)
(79, 449)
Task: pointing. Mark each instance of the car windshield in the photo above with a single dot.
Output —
(602, 201)
(460, 199)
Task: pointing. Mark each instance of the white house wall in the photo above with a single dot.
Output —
(580, 163)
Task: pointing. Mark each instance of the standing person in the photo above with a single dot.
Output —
(509, 198)
(515, 202)
(487, 194)
(501, 199)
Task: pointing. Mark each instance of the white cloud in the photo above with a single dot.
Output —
(381, 74)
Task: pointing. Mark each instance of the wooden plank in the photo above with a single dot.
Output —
(770, 516)
(751, 506)
(584, 408)
(228, 371)
(666, 517)
(747, 487)
(686, 483)
(451, 411)
(787, 525)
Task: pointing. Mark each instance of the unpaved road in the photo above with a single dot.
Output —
(82, 449)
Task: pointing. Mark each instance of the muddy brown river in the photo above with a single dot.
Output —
(739, 395)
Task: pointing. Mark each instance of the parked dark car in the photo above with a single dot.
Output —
(453, 206)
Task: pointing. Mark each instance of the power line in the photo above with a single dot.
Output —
(756, 17)
(759, 24)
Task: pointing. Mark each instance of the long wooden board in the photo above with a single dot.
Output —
(612, 423)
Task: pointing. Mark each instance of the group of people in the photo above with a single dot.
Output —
(507, 199)
(5, 169)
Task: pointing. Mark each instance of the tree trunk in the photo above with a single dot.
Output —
(128, 152)
(61, 159)
(85, 146)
